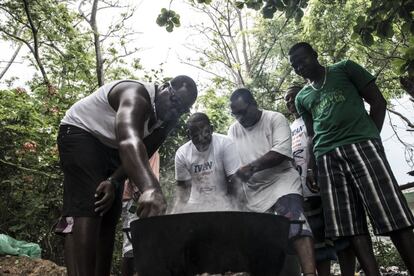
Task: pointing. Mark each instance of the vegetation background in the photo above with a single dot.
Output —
(244, 43)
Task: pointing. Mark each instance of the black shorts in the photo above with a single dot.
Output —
(85, 162)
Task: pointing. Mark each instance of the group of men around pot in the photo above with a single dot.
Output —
(336, 163)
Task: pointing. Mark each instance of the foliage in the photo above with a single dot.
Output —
(268, 8)
(31, 183)
(169, 19)
(241, 48)
(217, 109)
(386, 254)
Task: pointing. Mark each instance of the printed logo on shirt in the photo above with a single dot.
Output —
(203, 167)
(327, 101)
(207, 189)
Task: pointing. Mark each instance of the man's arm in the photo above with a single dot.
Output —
(158, 136)
(311, 162)
(132, 112)
(152, 144)
(373, 96)
(182, 195)
(236, 192)
(281, 143)
(269, 160)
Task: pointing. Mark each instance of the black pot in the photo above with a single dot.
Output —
(212, 242)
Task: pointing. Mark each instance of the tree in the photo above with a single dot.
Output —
(117, 31)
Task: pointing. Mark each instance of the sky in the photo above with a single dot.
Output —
(158, 46)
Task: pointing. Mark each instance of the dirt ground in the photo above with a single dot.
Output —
(24, 266)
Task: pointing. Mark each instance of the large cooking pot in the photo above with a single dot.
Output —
(212, 242)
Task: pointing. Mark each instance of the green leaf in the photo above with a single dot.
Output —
(384, 29)
(268, 11)
(367, 39)
(239, 4)
(279, 5)
(298, 15)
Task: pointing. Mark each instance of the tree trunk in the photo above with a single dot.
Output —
(2, 73)
(97, 43)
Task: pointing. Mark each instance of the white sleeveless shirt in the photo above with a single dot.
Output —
(95, 115)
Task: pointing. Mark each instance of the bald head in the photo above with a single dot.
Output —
(198, 117)
(187, 86)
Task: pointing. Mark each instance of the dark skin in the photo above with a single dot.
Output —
(306, 65)
(346, 257)
(88, 250)
(248, 115)
(200, 133)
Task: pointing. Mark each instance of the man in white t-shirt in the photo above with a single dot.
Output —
(271, 183)
(204, 168)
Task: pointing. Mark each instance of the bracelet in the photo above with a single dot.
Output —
(114, 182)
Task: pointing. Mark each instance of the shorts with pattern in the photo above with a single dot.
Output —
(291, 206)
(357, 177)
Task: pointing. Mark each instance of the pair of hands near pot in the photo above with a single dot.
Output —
(150, 203)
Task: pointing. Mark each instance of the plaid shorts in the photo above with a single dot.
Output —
(357, 177)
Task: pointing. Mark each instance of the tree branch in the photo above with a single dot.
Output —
(405, 119)
(35, 49)
(29, 170)
(10, 62)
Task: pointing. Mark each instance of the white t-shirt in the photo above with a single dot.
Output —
(270, 133)
(300, 142)
(95, 115)
(208, 172)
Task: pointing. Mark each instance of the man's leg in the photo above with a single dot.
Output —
(291, 206)
(127, 267)
(346, 259)
(362, 246)
(306, 254)
(105, 246)
(70, 254)
(81, 246)
(404, 242)
(324, 268)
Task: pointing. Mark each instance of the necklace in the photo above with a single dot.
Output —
(323, 83)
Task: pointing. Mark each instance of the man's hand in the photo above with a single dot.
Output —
(106, 191)
(151, 203)
(311, 182)
(245, 172)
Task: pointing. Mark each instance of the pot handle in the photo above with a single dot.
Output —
(298, 221)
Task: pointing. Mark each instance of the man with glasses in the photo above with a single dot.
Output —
(104, 138)
(270, 182)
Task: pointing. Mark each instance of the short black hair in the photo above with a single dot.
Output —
(245, 94)
(181, 80)
(303, 45)
(198, 117)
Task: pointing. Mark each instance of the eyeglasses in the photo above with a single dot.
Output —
(240, 112)
(179, 105)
